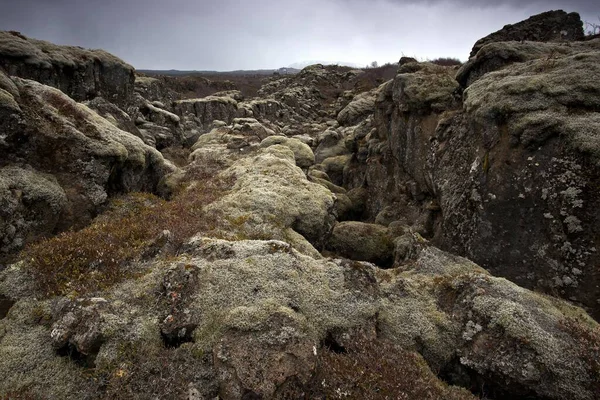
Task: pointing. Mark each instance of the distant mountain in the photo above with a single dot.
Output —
(304, 64)
(174, 72)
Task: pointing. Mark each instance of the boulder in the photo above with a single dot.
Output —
(32, 204)
(363, 242)
(159, 137)
(327, 184)
(223, 146)
(330, 144)
(358, 109)
(334, 167)
(423, 87)
(302, 153)
(115, 115)
(550, 26)
(272, 197)
(251, 126)
(158, 115)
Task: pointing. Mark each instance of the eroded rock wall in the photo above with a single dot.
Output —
(507, 176)
(81, 74)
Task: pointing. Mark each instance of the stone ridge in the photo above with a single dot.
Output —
(82, 74)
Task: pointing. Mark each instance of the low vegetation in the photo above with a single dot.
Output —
(373, 77)
(154, 374)
(587, 337)
(375, 369)
(447, 62)
(200, 85)
(99, 255)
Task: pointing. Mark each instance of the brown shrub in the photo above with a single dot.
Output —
(587, 337)
(447, 62)
(98, 256)
(376, 369)
(144, 373)
(23, 394)
(178, 155)
(373, 77)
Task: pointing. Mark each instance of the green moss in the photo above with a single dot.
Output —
(7, 101)
(34, 187)
(486, 162)
(302, 152)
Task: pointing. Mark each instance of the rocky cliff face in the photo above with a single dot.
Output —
(81, 74)
(312, 246)
(505, 175)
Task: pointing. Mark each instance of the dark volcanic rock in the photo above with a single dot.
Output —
(114, 114)
(82, 74)
(545, 27)
(516, 175)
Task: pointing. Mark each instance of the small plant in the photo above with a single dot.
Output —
(367, 368)
(151, 373)
(592, 28)
(587, 338)
(447, 62)
(17, 34)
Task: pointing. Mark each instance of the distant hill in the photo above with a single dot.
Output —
(174, 72)
(304, 64)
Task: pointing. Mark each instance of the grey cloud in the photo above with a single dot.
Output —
(233, 34)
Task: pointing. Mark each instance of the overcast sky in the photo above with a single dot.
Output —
(245, 34)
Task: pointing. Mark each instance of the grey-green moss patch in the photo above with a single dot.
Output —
(535, 99)
(422, 87)
(7, 101)
(363, 242)
(302, 152)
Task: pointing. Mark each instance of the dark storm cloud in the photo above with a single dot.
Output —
(581, 6)
(234, 34)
